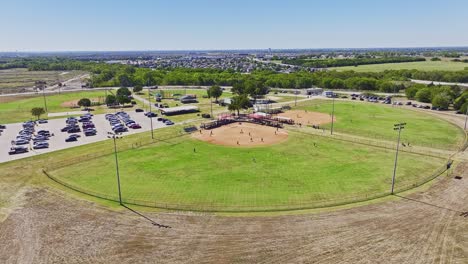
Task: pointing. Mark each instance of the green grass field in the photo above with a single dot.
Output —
(423, 66)
(17, 109)
(289, 175)
(376, 121)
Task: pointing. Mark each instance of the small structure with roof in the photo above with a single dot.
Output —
(179, 110)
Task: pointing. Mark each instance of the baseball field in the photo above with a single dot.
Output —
(249, 168)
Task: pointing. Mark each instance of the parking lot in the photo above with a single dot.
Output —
(57, 139)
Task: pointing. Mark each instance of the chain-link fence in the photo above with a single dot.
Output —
(216, 207)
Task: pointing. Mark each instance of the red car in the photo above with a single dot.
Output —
(135, 126)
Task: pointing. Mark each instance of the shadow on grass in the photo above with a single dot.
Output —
(147, 218)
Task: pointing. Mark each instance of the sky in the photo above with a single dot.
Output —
(114, 25)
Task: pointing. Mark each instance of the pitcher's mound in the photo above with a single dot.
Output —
(307, 117)
(243, 135)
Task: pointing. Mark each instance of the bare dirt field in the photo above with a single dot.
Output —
(243, 135)
(307, 118)
(52, 227)
(74, 103)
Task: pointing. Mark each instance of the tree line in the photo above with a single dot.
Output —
(325, 63)
(439, 96)
(118, 75)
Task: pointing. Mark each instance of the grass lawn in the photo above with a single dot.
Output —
(17, 109)
(376, 121)
(203, 103)
(291, 174)
(420, 65)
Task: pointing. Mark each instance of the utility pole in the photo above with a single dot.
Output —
(43, 95)
(399, 127)
(295, 99)
(333, 115)
(114, 136)
(211, 105)
(42, 85)
(151, 114)
(466, 117)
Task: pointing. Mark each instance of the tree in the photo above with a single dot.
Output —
(424, 95)
(239, 102)
(441, 101)
(125, 80)
(123, 99)
(124, 91)
(137, 88)
(84, 102)
(111, 99)
(37, 112)
(215, 91)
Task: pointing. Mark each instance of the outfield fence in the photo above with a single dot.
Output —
(217, 207)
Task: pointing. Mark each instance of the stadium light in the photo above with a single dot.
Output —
(151, 115)
(333, 114)
(399, 127)
(115, 136)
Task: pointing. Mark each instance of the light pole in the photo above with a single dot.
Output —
(115, 136)
(150, 113)
(466, 116)
(295, 98)
(43, 85)
(399, 127)
(333, 114)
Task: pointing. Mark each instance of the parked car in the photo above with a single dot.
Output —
(90, 133)
(408, 103)
(21, 142)
(120, 129)
(42, 121)
(134, 126)
(17, 150)
(71, 139)
(169, 122)
(2, 127)
(139, 110)
(151, 114)
(75, 135)
(41, 145)
(74, 130)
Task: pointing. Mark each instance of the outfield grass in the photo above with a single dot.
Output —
(422, 65)
(18, 108)
(291, 174)
(376, 121)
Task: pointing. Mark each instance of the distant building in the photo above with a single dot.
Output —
(314, 91)
(328, 94)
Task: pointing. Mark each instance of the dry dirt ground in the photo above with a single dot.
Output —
(242, 135)
(307, 118)
(425, 227)
(74, 103)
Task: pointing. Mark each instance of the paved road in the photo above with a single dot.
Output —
(440, 83)
(57, 142)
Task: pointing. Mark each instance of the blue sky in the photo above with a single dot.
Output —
(62, 25)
